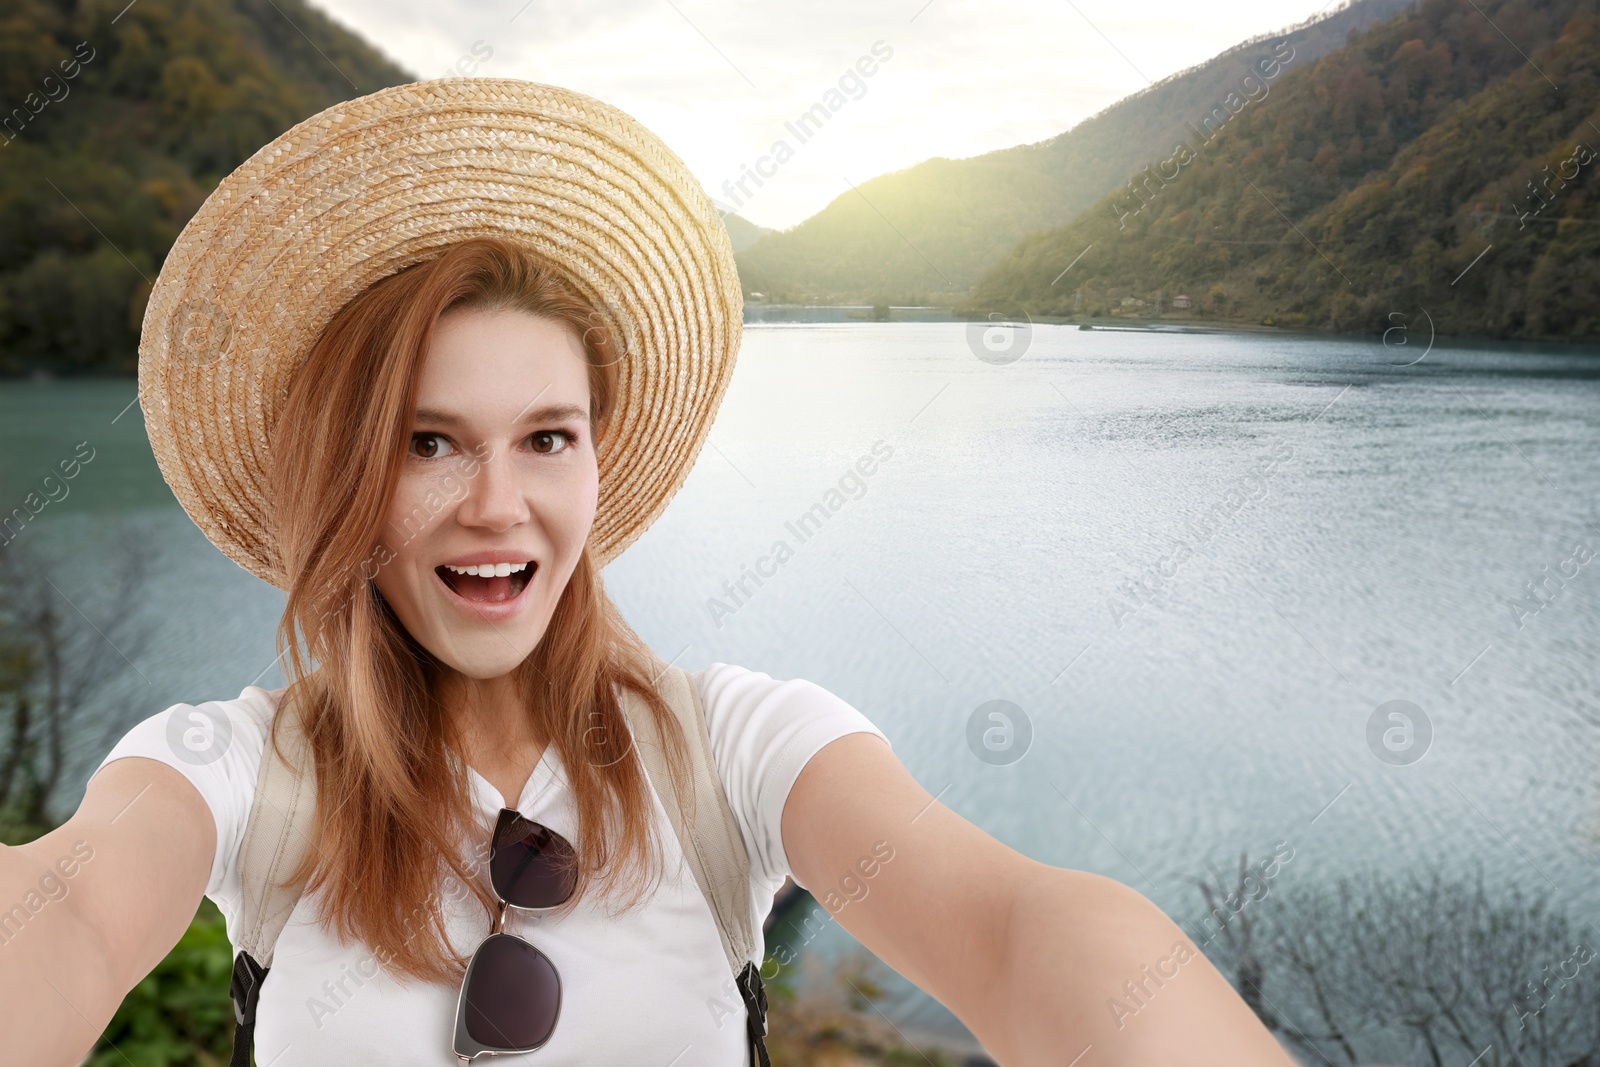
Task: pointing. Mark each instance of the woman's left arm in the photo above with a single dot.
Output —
(1033, 959)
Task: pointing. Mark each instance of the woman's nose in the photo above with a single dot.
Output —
(495, 499)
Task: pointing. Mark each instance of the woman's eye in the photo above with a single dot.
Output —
(429, 445)
(546, 441)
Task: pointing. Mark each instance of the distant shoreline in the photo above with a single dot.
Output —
(760, 314)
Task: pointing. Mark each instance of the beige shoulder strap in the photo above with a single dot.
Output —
(706, 828)
(277, 834)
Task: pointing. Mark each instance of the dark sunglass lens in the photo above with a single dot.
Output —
(532, 866)
(512, 995)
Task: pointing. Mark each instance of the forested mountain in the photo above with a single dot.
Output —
(963, 215)
(1325, 192)
(117, 120)
(1444, 161)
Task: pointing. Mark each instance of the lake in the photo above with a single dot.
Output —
(1197, 565)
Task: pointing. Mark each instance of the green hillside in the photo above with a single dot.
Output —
(114, 129)
(1365, 189)
(929, 231)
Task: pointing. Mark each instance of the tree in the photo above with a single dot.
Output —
(1426, 969)
(115, 135)
(53, 661)
(1237, 931)
(1217, 300)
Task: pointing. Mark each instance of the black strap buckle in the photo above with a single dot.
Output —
(245, 990)
(755, 1010)
(755, 1000)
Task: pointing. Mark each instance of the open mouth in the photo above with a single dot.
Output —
(488, 583)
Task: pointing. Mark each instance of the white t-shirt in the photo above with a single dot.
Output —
(650, 986)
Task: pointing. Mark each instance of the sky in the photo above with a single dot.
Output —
(718, 80)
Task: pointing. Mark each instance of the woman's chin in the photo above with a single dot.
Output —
(483, 664)
(482, 652)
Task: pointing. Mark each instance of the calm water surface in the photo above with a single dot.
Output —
(1196, 563)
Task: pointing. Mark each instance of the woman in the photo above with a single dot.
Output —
(427, 362)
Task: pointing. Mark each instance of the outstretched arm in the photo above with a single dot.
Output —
(1031, 958)
(94, 905)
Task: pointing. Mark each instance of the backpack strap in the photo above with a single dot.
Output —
(708, 834)
(277, 834)
(282, 815)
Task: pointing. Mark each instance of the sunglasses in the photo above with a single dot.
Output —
(511, 994)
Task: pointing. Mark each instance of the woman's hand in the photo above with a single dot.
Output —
(90, 908)
(1032, 958)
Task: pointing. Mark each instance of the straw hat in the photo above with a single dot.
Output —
(378, 183)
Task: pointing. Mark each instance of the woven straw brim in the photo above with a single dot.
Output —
(374, 185)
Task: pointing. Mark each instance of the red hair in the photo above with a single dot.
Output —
(393, 806)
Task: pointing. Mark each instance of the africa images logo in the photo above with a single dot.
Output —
(1399, 732)
(198, 734)
(999, 733)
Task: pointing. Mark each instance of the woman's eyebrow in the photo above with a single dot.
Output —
(547, 413)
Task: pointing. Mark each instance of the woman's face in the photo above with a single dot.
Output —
(497, 491)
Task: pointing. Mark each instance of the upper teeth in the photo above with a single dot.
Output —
(488, 570)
